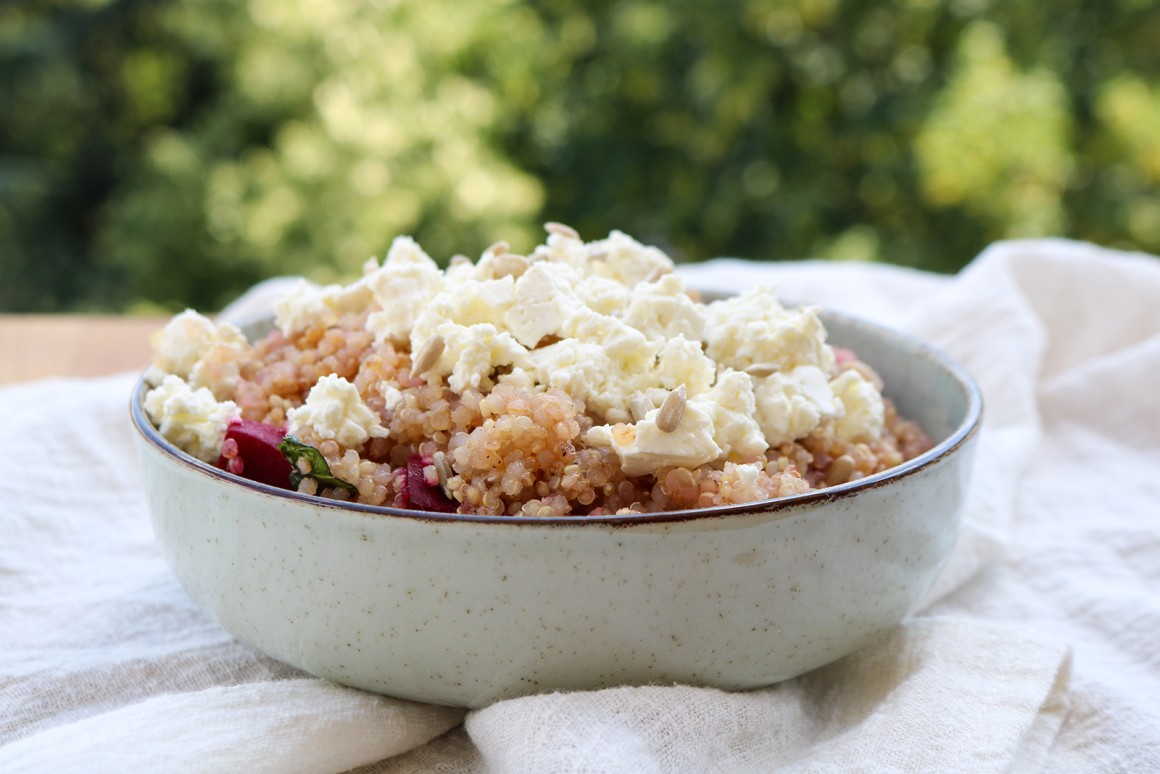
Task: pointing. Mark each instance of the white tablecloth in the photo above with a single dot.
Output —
(1039, 647)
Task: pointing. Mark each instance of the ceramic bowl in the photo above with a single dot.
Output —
(466, 610)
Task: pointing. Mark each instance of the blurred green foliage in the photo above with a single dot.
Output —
(172, 152)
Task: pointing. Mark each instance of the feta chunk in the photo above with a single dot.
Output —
(663, 309)
(402, 286)
(185, 340)
(603, 295)
(627, 347)
(192, 347)
(644, 448)
(682, 361)
(583, 370)
(465, 303)
(334, 410)
(732, 405)
(747, 475)
(563, 250)
(405, 251)
(393, 397)
(473, 352)
(191, 419)
(601, 361)
(544, 297)
(306, 305)
(619, 257)
(790, 405)
(604, 362)
(754, 329)
(864, 414)
(622, 258)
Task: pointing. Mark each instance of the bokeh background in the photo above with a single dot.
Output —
(162, 153)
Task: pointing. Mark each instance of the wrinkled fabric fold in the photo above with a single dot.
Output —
(837, 718)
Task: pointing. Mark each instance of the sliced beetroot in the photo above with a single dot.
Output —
(419, 493)
(258, 457)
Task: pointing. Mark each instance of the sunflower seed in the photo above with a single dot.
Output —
(840, 470)
(498, 248)
(672, 410)
(762, 369)
(559, 229)
(428, 355)
(509, 263)
(656, 274)
(443, 471)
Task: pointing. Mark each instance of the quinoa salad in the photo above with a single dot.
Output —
(582, 379)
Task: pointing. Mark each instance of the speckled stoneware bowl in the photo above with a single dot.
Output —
(465, 610)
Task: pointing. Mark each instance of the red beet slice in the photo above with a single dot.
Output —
(421, 495)
(258, 451)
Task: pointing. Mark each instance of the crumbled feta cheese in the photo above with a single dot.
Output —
(604, 362)
(732, 405)
(747, 475)
(335, 411)
(622, 258)
(466, 303)
(521, 379)
(754, 329)
(306, 305)
(626, 347)
(185, 340)
(405, 251)
(392, 396)
(560, 249)
(402, 286)
(601, 361)
(619, 258)
(220, 368)
(460, 269)
(192, 347)
(603, 295)
(663, 309)
(544, 297)
(643, 448)
(473, 352)
(682, 361)
(864, 412)
(742, 483)
(790, 405)
(191, 419)
(580, 368)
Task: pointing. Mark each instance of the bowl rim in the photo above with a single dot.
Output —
(966, 429)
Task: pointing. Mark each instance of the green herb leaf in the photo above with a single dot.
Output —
(294, 450)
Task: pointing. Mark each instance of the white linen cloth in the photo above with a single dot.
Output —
(1038, 648)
